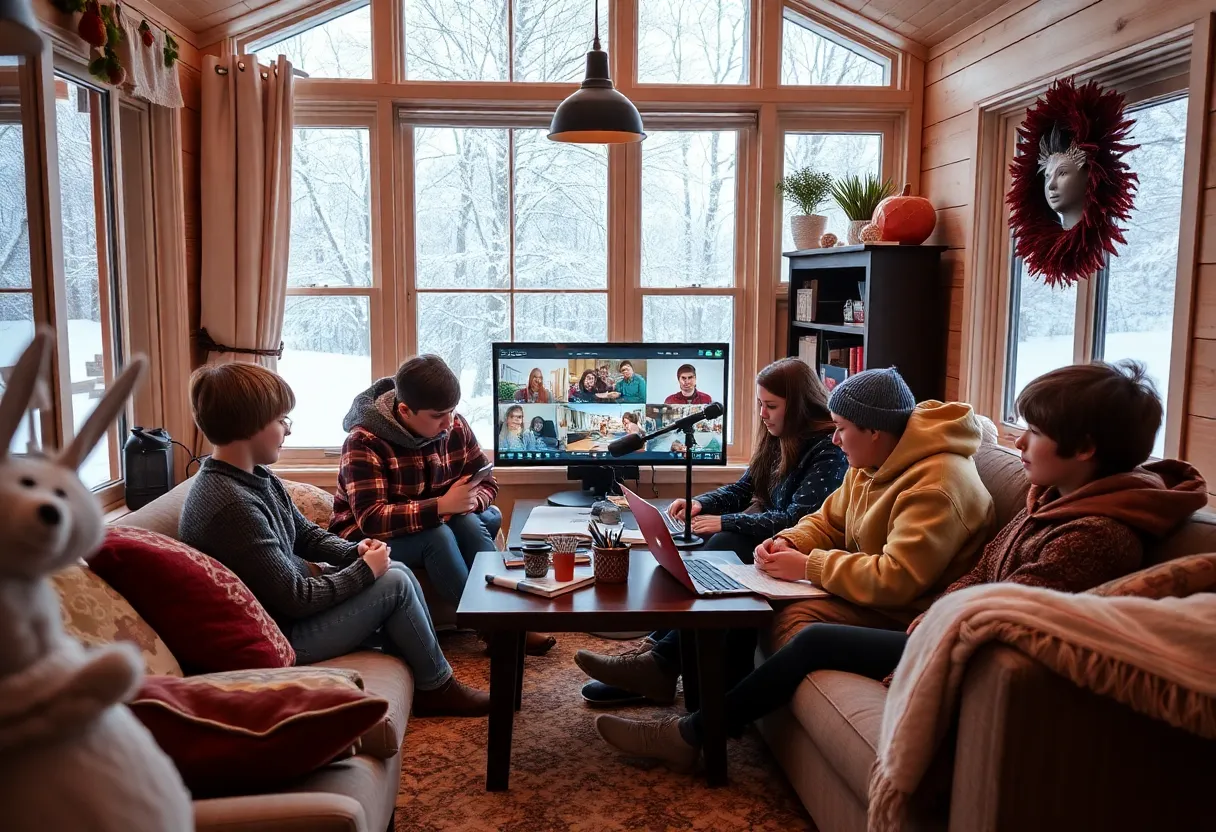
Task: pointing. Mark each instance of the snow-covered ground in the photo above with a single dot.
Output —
(84, 342)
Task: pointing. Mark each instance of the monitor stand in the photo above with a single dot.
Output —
(598, 482)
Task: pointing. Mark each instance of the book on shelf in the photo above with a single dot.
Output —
(808, 351)
(857, 361)
(832, 375)
(807, 302)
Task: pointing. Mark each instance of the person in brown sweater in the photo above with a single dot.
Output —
(1092, 504)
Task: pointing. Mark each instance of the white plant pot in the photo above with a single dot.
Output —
(854, 233)
(806, 229)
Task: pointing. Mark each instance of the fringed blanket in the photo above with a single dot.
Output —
(1158, 657)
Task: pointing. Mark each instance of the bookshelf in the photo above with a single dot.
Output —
(905, 316)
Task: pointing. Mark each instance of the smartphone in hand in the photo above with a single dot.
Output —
(482, 474)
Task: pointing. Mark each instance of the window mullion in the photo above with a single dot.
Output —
(511, 233)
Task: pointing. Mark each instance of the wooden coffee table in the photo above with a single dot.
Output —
(650, 600)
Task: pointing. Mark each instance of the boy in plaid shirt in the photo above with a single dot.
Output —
(404, 478)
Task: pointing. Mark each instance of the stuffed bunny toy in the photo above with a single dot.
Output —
(72, 756)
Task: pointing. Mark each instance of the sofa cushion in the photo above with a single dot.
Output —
(1001, 471)
(209, 619)
(1175, 578)
(94, 614)
(842, 713)
(162, 514)
(236, 737)
(388, 678)
(316, 504)
(381, 740)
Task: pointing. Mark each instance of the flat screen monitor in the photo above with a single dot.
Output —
(564, 404)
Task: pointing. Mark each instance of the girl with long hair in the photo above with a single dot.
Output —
(512, 436)
(793, 469)
(535, 392)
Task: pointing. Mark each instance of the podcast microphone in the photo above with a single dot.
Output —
(635, 441)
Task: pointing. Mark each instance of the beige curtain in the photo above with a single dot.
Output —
(246, 207)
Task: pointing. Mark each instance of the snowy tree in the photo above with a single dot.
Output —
(337, 48)
(810, 57)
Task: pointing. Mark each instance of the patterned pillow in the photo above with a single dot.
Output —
(210, 620)
(233, 737)
(316, 504)
(1175, 578)
(95, 615)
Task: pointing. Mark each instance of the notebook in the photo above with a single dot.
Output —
(544, 521)
(770, 587)
(546, 587)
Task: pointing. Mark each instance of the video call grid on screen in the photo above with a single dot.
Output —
(563, 404)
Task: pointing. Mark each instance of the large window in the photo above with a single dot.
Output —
(16, 291)
(93, 297)
(681, 42)
(511, 239)
(336, 47)
(327, 322)
(1127, 309)
(840, 154)
(499, 40)
(815, 56)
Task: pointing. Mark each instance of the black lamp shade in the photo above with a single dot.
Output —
(596, 113)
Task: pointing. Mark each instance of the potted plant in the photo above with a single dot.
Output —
(808, 189)
(858, 197)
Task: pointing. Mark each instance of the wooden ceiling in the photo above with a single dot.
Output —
(928, 22)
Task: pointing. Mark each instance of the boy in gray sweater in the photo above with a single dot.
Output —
(328, 595)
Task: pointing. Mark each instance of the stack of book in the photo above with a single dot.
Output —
(808, 351)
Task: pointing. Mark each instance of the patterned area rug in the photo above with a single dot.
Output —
(563, 776)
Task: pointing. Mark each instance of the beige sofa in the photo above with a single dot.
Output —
(1030, 751)
(355, 795)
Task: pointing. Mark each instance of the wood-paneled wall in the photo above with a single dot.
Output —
(1023, 42)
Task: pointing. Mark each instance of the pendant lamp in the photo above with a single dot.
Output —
(596, 113)
(19, 32)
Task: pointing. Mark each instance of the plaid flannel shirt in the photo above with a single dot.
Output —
(385, 491)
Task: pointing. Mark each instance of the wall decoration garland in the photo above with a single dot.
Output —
(1071, 188)
(100, 27)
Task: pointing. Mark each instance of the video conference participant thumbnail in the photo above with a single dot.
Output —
(686, 382)
(591, 428)
(708, 433)
(608, 381)
(535, 381)
(530, 428)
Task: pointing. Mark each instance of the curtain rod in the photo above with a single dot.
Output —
(223, 70)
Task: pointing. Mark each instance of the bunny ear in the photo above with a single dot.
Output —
(107, 410)
(21, 386)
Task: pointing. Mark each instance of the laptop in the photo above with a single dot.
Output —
(701, 576)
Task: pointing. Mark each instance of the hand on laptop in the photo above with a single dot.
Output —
(676, 510)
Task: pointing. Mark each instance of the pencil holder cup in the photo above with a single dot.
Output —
(536, 559)
(611, 565)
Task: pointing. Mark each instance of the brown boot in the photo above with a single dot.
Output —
(452, 699)
(535, 644)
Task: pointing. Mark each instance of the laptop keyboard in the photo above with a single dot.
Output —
(707, 575)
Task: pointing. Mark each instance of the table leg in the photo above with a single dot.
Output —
(519, 673)
(711, 665)
(504, 670)
(688, 667)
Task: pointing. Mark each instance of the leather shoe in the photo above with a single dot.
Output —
(453, 698)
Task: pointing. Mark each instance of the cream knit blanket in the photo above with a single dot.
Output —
(1158, 657)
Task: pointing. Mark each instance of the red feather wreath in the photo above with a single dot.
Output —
(1095, 121)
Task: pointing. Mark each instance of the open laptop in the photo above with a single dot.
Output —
(698, 574)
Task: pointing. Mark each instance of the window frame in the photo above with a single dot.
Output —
(803, 15)
(764, 104)
(380, 297)
(1156, 72)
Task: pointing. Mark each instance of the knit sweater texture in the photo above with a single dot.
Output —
(818, 472)
(247, 522)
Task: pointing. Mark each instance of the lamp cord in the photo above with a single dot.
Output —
(596, 42)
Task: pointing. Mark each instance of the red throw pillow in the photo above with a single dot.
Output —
(207, 617)
(236, 737)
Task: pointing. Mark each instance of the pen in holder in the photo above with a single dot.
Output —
(611, 558)
(564, 546)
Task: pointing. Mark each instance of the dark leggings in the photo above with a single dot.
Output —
(861, 650)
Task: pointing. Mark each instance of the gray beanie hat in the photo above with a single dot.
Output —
(875, 400)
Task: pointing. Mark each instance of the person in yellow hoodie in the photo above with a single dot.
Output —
(912, 514)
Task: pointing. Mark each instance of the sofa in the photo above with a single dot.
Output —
(357, 794)
(1030, 750)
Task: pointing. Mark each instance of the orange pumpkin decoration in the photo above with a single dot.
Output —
(905, 219)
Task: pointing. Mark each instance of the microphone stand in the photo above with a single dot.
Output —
(688, 540)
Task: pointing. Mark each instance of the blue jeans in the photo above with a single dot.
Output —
(446, 552)
(390, 611)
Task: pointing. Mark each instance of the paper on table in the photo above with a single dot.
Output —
(769, 587)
